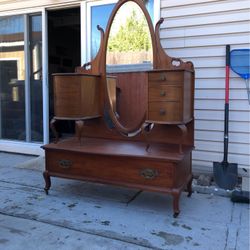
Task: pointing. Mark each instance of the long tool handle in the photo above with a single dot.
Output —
(226, 115)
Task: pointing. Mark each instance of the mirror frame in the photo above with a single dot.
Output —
(108, 102)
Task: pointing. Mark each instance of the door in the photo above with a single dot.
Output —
(64, 53)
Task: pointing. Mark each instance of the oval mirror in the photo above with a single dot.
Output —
(129, 53)
(129, 40)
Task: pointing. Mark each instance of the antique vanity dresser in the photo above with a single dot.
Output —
(133, 128)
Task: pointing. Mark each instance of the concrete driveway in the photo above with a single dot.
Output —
(81, 215)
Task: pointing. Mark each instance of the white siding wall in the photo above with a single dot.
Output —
(198, 30)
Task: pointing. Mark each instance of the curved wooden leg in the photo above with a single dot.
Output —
(79, 129)
(53, 128)
(189, 187)
(47, 181)
(176, 197)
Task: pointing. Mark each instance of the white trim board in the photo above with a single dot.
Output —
(21, 147)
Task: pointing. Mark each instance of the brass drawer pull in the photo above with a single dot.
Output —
(162, 112)
(149, 173)
(65, 163)
(162, 93)
(162, 77)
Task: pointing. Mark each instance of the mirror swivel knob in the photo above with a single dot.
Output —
(162, 112)
(162, 77)
(162, 93)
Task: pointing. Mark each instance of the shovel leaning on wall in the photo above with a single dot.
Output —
(225, 173)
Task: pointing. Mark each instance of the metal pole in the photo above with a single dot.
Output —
(45, 77)
(27, 79)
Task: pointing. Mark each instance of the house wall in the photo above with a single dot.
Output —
(198, 30)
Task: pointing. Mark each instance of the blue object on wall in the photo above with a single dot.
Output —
(240, 64)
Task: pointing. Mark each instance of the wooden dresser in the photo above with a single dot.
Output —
(134, 129)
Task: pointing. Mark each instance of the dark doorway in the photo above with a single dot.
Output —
(64, 49)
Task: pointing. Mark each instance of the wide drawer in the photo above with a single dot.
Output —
(165, 93)
(165, 111)
(113, 169)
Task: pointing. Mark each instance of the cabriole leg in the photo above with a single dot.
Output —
(176, 197)
(189, 187)
(79, 129)
(54, 131)
(47, 181)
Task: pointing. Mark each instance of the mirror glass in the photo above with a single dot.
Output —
(129, 55)
(129, 39)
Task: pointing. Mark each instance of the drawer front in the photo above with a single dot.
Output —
(165, 77)
(113, 169)
(165, 111)
(165, 93)
(76, 96)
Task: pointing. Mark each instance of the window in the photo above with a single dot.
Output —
(12, 76)
(20, 78)
(98, 14)
(35, 61)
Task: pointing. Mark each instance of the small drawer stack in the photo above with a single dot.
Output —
(170, 97)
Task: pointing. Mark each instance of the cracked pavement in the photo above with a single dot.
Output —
(81, 215)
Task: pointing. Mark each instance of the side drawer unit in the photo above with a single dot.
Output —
(169, 97)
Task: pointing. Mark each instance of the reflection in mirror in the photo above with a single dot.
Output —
(100, 15)
(129, 40)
